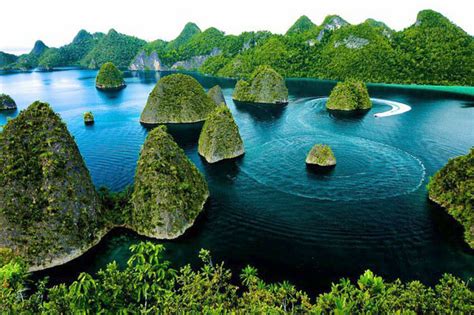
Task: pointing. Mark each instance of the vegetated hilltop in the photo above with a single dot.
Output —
(177, 98)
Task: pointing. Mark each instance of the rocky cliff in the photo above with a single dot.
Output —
(144, 61)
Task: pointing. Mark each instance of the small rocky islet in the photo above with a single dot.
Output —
(265, 86)
(220, 137)
(350, 95)
(169, 190)
(109, 78)
(6, 102)
(321, 155)
(88, 118)
(177, 98)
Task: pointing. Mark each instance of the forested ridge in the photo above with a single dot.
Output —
(433, 50)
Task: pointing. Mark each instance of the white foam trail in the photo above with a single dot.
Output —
(397, 108)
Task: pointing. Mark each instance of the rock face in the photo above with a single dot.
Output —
(177, 98)
(169, 190)
(349, 95)
(220, 138)
(215, 93)
(352, 42)
(265, 86)
(195, 62)
(6, 102)
(321, 155)
(144, 61)
(88, 118)
(49, 209)
(109, 78)
(452, 187)
(331, 23)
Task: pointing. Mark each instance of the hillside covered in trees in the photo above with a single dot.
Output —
(433, 50)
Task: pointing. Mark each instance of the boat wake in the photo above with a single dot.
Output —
(397, 108)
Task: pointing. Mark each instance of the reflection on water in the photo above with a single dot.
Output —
(266, 208)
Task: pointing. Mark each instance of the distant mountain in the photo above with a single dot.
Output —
(431, 51)
(301, 25)
(6, 59)
(189, 30)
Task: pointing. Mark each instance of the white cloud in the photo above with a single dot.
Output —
(56, 22)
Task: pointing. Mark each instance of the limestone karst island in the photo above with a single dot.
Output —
(258, 158)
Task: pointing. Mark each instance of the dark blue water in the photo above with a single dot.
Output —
(267, 209)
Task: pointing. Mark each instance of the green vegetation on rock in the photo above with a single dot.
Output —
(452, 187)
(169, 190)
(220, 138)
(215, 93)
(88, 118)
(321, 155)
(48, 204)
(264, 86)
(301, 25)
(109, 77)
(349, 95)
(149, 284)
(6, 102)
(177, 98)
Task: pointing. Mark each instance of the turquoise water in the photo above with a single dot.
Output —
(266, 209)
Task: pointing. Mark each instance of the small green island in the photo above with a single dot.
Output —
(88, 118)
(348, 96)
(6, 102)
(215, 93)
(49, 209)
(265, 86)
(452, 187)
(177, 98)
(321, 155)
(109, 78)
(220, 137)
(169, 190)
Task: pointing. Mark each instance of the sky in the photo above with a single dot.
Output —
(57, 22)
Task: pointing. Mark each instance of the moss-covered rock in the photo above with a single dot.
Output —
(215, 93)
(349, 95)
(109, 78)
(321, 155)
(48, 204)
(177, 98)
(220, 138)
(452, 187)
(6, 102)
(169, 190)
(88, 118)
(265, 86)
